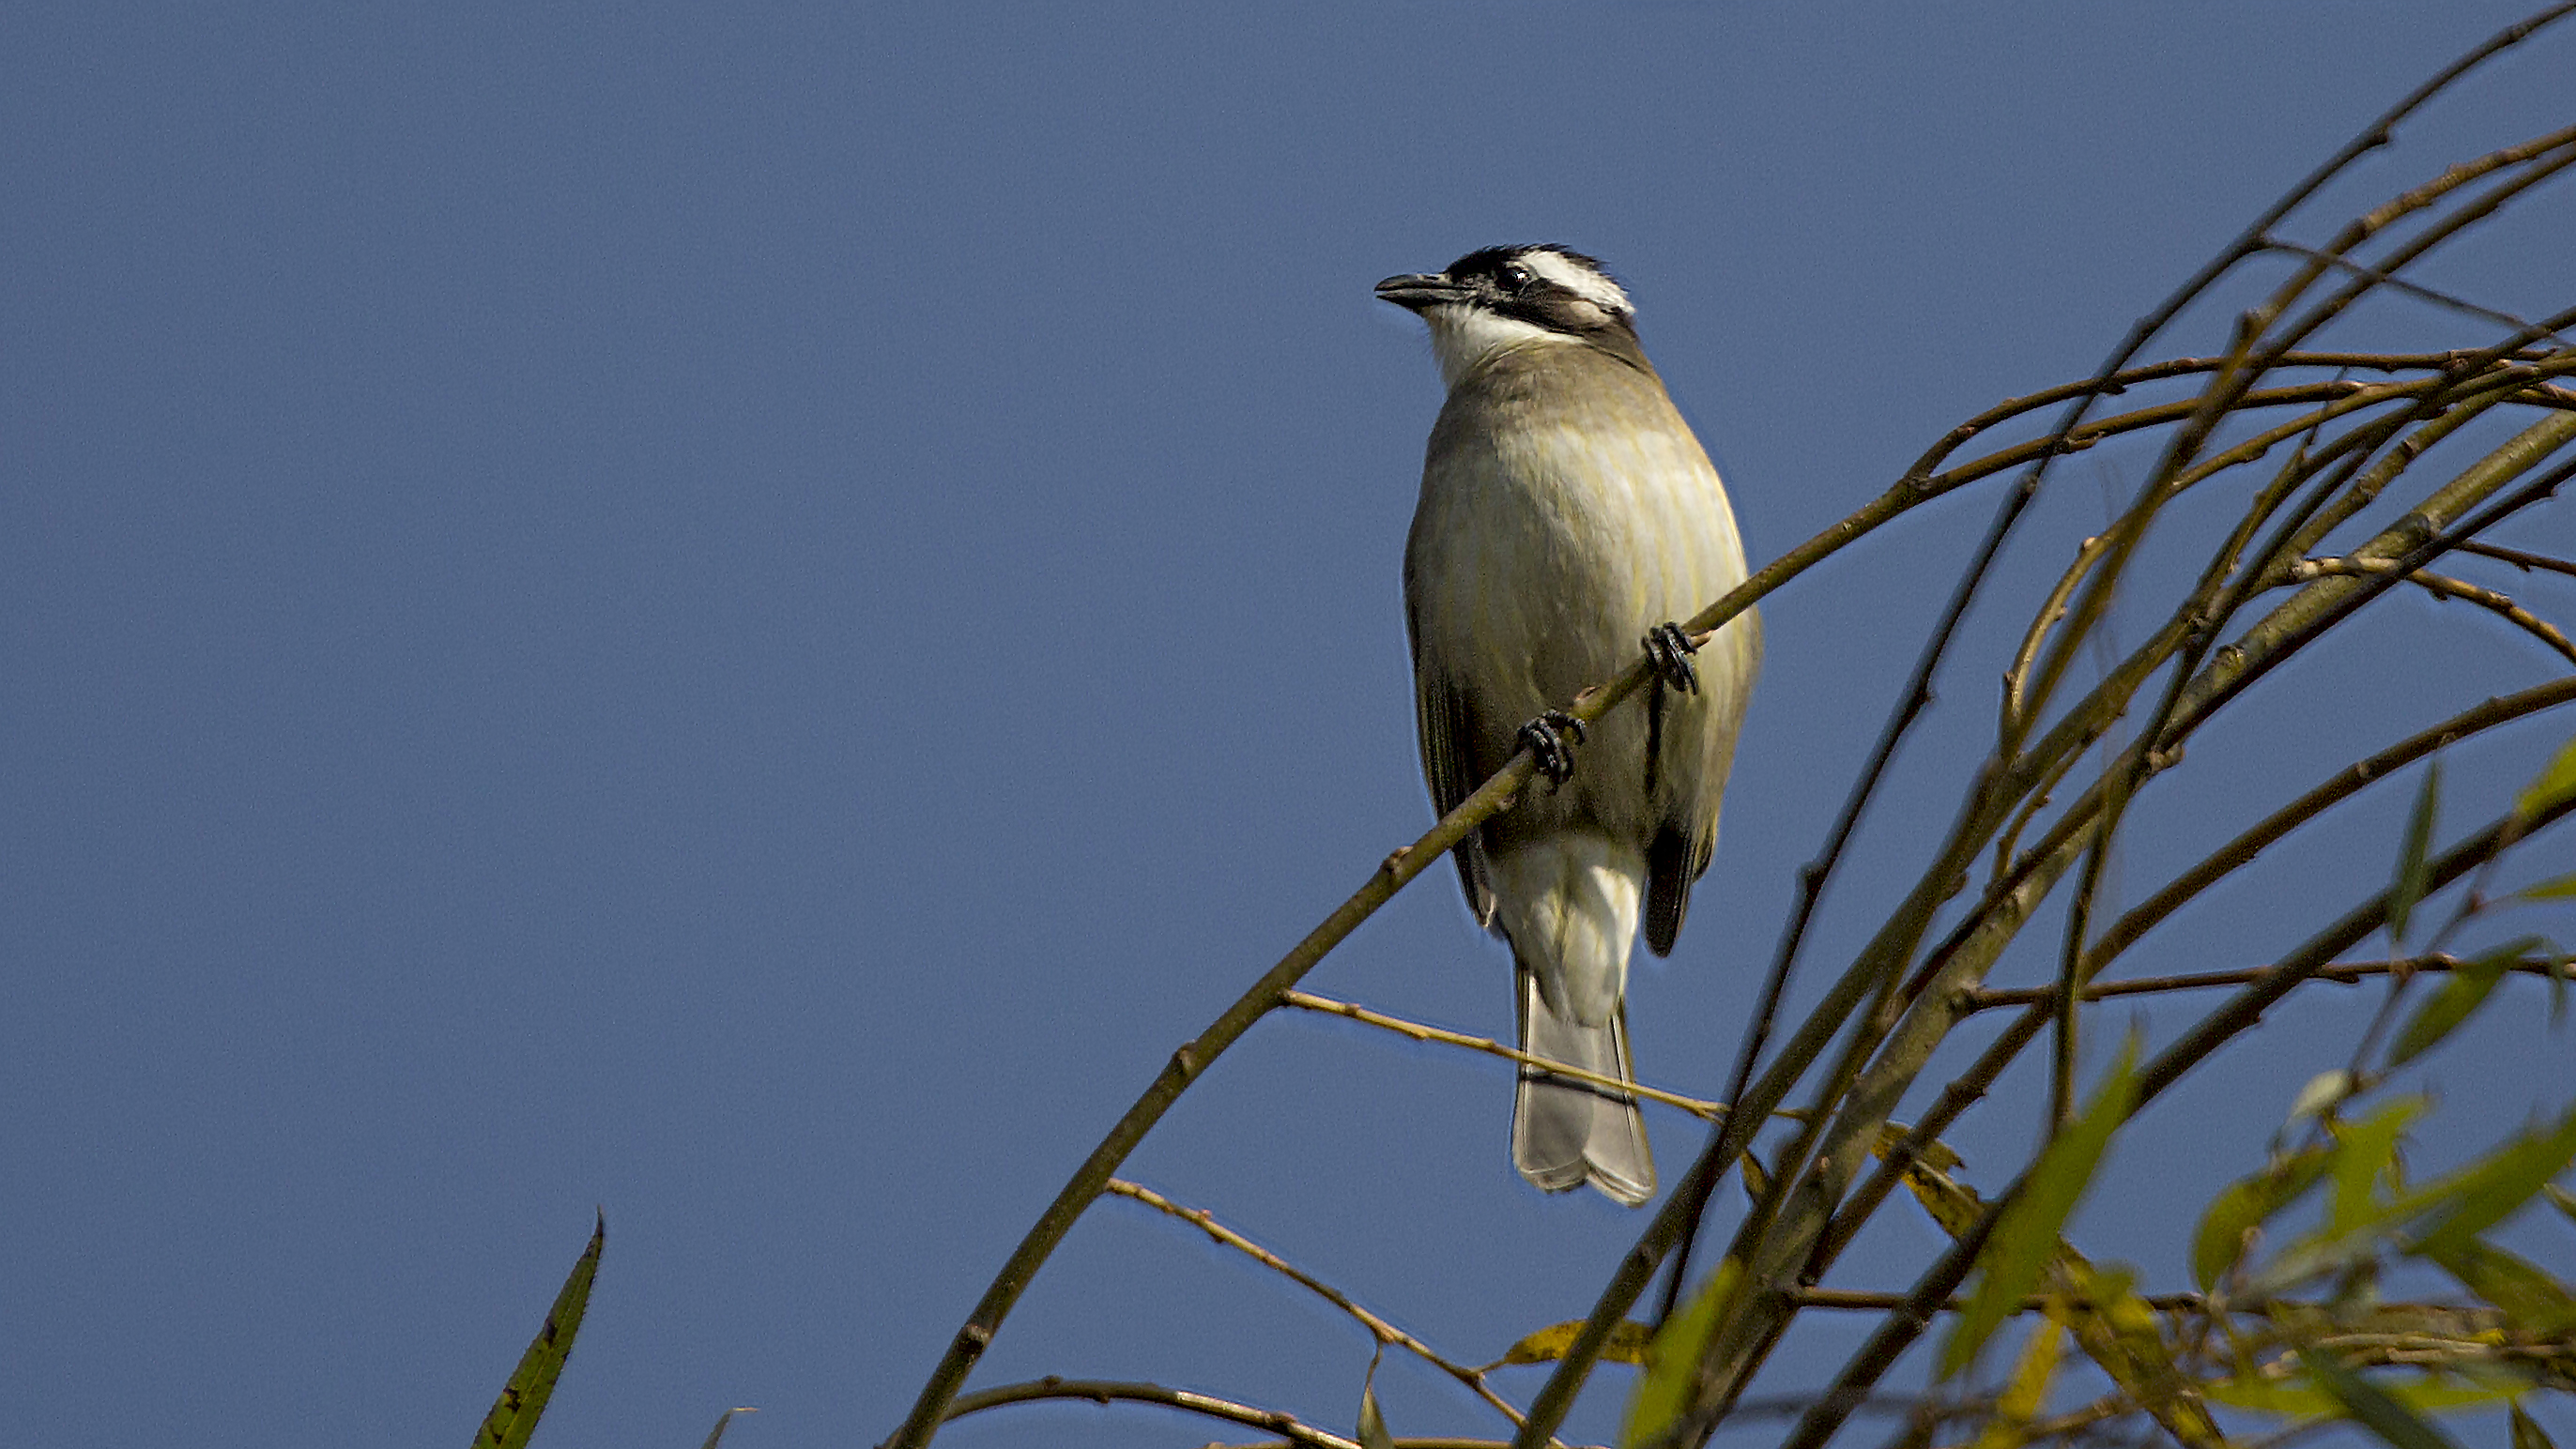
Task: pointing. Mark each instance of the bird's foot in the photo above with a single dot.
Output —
(1670, 650)
(1545, 736)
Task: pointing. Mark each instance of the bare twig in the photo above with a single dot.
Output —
(2347, 973)
(2444, 586)
(1379, 1328)
(1112, 1391)
(1416, 1031)
(2521, 559)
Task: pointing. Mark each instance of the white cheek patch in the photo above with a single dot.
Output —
(1462, 336)
(1579, 279)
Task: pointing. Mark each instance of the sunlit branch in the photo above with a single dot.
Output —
(1416, 1031)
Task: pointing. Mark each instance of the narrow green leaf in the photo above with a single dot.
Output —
(2364, 1151)
(2526, 1434)
(2408, 887)
(2533, 1303)
(2372, 1407)
(2026, 1236)
(1672, 1360)
(2464, 992)
(523, 1400)
(2558, 888)
(2555, 782)
(2498, 1187)
(715, 1435)
(2247, 1204)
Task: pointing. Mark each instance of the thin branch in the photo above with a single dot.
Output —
(1413, 1030)
(2345, 783)
(2520, 559)
(2444, 586)
(2412, 289)
(2347, 973)
(1379, 1328)
(1111, 1391)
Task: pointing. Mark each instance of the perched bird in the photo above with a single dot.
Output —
(1568, 515)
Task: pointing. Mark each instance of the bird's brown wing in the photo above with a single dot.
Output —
(1448, 727)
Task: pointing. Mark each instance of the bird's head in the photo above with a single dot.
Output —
(1504, 296)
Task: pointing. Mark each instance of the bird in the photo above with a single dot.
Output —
(1568, 516)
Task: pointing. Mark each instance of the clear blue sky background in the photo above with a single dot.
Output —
(747, 614)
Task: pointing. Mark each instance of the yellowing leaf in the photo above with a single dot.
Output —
(1372, 1426)
(2027, 1392)
(1627, 1344)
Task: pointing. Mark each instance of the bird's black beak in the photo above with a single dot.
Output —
(1416, 290)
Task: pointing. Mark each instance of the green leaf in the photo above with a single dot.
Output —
(2555, 782)
(2026, 1235)
(2533, 1303)
(2495, 1189)
(2247, 1204)
(2557, 889)
(1672, 1360)
(2526, 1434)
(2363, 1153)
(715, 1435)
(2373, 1407)
(2463, 993)
(523, 1400)
(2408, 887)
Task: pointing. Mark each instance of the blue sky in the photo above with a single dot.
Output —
(746, 615)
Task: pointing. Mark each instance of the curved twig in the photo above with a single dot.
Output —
(1379, 1328)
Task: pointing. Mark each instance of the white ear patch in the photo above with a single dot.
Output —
(1579, 279)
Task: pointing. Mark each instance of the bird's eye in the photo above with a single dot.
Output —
(1516, 279)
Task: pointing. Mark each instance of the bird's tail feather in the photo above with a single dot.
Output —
(1566, 1132)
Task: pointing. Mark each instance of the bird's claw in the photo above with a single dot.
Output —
(1670, 650)
(1545, 737)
